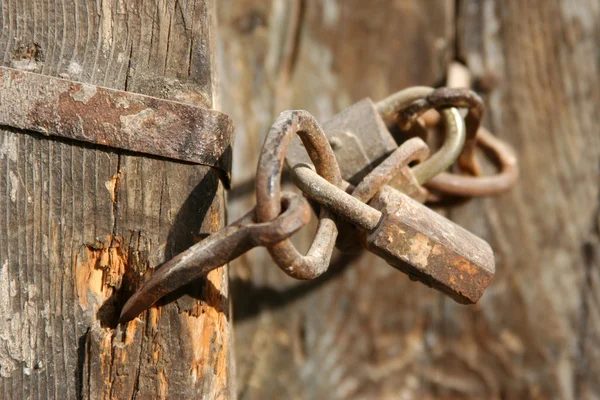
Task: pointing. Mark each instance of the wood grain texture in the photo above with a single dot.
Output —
(543, 308)
(364, 330)
(82, 225)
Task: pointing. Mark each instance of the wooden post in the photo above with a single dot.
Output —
(81, 225)
(367, 331)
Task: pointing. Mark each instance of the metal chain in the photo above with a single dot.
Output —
(278, 215)
(408, 105)
(268, 189)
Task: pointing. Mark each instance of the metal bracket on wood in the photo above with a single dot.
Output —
(124, 120)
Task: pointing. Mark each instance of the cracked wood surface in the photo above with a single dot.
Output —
(82, 225)
(366, 331)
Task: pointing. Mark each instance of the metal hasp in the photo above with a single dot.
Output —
(58, 107)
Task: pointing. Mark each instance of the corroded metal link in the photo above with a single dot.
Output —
(268, 189)
(412, 99)
(451, 97)
(409, 107)
(475, 186)
(218, 249)
(503, 155)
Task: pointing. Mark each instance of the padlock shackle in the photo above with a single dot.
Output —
(456, 133)
(450, 150)
(412, 150)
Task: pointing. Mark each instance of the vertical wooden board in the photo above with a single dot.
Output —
(358, 331)
(82, 225)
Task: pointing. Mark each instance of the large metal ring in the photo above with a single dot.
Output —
(268, 191)
(475, 186)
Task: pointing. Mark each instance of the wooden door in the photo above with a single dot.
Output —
(365, 330)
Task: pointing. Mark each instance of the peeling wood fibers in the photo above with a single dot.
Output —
(205, 334)
(100, 271)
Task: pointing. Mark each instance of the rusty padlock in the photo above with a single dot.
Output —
(361, 140)
(430, 248)
(408, 235)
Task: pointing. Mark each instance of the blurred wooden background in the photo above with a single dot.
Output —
(366, 331)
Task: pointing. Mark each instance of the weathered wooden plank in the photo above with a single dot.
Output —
(540, 63)
(82, 225)
(367, 332)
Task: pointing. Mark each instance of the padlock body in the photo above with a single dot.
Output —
(360, 141)
(358, 137)
(430, 248)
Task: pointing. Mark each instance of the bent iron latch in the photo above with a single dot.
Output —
(124, 120)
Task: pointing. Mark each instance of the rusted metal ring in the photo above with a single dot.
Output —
(413, 149)
(476, 186)
(268, 191)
